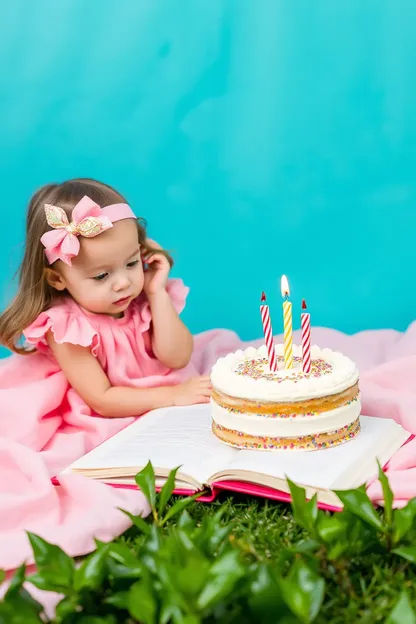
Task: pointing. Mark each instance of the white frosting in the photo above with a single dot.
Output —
(259, 425)
(226, 379)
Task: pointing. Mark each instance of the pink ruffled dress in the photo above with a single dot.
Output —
(45, 425)
(37, 397)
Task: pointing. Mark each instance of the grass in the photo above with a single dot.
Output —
(261, 527)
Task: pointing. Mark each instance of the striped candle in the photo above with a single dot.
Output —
(306, 339)
(287, 324)
(268, 333)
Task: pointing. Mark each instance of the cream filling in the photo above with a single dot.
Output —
(258, 425)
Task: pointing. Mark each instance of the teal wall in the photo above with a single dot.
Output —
(257, 137)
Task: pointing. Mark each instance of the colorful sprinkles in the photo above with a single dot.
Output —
(258, 368)
(306, 443)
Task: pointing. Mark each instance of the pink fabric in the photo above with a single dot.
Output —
(45, 425)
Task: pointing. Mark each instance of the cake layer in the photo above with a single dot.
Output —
(246, 375)
(309, 407)
(291, 426)
(304, 443)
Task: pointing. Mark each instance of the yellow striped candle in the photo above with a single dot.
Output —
(287, 323)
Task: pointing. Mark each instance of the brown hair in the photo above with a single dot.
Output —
(35, 295)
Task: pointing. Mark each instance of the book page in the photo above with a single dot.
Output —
(334, 467)
(168, 437)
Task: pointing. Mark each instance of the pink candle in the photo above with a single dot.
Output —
(306, 339)
(268, 333)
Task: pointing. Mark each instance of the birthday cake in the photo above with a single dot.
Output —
(256, 408)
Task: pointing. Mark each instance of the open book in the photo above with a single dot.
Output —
(181, 436)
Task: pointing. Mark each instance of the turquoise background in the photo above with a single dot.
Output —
(257, 137)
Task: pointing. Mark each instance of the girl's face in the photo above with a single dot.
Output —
(107, 274)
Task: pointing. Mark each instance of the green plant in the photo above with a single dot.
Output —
(184, 571)
(359, 528)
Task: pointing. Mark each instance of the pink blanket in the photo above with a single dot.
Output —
(79, 510)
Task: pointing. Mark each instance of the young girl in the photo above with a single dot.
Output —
(98, 314)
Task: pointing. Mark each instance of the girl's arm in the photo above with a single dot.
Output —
(85, 375)
(172, 342)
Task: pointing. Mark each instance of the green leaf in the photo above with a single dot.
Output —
(6, 613)
(142, 603)
(305, 513)
(192, 575)
(357, 502)
(345, 534)
(96, 619)
(92, 571)
(190, 618)
(142, 525)
(24, 597)
(303, 591)
(338, 549)
(28, 598)
(122, 554)
(17, 581)
(308, 546)
(146, 481)
(228, 563)
(185, 521)
(387, 495)
(120, 600)
(118, 571)
(183, 541)
(403, 520)
(18, 606)
(180, 505)
(407, 552)
(2, 576)
(223, 577)
(45, 581)
(332, 528)
(170, 610)
(153, 540)
(166, 567)
(18, 611)
(67, 606)
(402, 612)
(265, 597)
(166, 491)
(53, 564)
(122, 562)
(213, 533)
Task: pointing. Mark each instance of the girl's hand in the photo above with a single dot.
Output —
(195, 390)
(157, 271)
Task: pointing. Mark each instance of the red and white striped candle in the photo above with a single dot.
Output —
(268, 333)
(306, 339)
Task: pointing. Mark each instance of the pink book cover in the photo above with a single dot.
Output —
(240, 487)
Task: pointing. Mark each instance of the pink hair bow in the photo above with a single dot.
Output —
(61, 243)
